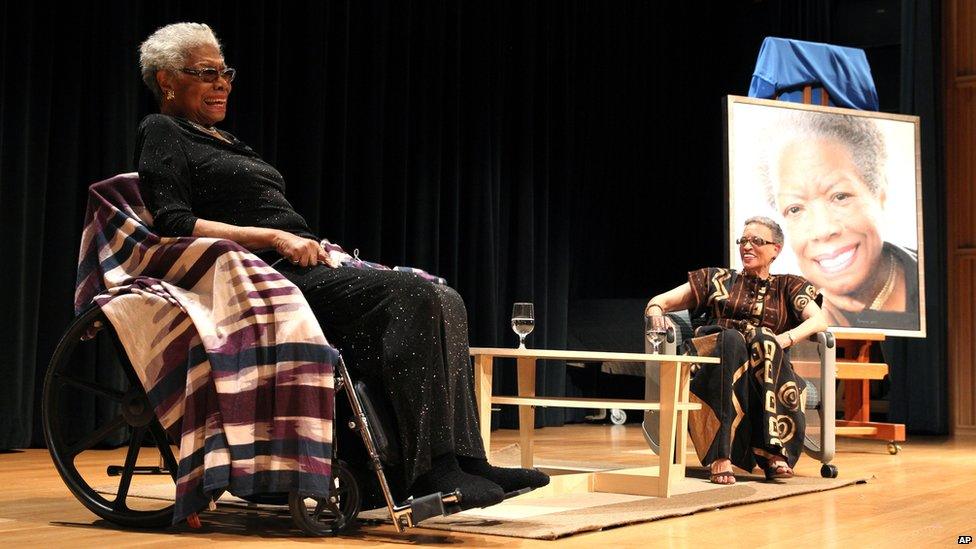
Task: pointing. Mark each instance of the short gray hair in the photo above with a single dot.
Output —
(768, 223)
(860, 136)
(167, 48)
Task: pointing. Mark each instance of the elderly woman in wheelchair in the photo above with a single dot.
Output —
(400, 332)
(752, 402)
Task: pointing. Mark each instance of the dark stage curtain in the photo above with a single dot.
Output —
(919, 394)
(527, 151)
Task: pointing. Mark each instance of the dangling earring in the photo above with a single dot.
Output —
(170, 95)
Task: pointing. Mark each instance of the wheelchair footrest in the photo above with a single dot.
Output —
(116, 470)
(434, 505)
(514, 493)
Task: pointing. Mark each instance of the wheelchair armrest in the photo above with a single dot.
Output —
(381, 422)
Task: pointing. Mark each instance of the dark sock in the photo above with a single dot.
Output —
(445, 476)
(509, 478)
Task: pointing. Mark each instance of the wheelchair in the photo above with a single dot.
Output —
(813, 360)
(119, 395)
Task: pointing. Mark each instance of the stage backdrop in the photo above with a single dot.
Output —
(522, 149)
(845, 185)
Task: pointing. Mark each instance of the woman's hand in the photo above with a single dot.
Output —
(813, 321)
(661, 322)
(655, 312)
(673, 300)
(300, 251)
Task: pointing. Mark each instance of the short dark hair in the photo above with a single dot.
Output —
(770, 224)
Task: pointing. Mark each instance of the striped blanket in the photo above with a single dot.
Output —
(227, 349)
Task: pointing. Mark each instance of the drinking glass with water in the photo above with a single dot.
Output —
(523, 321)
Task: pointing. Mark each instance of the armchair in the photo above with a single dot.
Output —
(813, 360)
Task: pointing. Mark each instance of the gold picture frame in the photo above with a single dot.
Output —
(846, 187)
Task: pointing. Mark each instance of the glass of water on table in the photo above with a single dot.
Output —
(656, 334)
(523, 321)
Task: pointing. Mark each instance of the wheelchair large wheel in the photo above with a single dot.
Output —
(125, 402)
(328, 516)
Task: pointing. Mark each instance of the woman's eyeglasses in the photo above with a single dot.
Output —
(211, 74)
(754, 240)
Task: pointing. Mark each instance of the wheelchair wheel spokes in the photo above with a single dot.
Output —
(330, 515)
(107, 392)
(169, 462)
(319, 507)
(125, 480)
(94, 438)
(70, 394)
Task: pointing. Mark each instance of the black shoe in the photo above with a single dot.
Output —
(445, 476)
(511, 479)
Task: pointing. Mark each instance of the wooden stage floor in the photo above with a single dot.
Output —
(926, 495)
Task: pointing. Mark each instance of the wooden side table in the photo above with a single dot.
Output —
(673, 406)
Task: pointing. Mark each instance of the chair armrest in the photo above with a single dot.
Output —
(683, 323)
(826, 339)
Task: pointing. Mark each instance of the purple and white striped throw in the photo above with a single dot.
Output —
(227, 349)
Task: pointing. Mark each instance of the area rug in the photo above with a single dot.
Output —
(559, 516)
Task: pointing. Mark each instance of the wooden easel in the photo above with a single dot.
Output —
(856, 369)
(808, 96)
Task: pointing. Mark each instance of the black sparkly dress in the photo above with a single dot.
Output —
(394, 329)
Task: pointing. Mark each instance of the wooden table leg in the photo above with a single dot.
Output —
(526, 387)
(684, 386)
(483, 366)
(669, 420)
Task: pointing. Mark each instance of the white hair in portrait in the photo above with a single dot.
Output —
(166, 49)
(861, 137)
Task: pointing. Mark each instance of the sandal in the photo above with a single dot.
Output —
(712, 477)
(778, 470)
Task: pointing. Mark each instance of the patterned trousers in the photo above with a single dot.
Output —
(752, 402)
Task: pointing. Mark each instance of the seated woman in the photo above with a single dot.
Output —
(405, 334)
(752, 401)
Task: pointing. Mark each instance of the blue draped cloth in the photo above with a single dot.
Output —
(788, 64)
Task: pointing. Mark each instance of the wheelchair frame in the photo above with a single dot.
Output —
(136, 414)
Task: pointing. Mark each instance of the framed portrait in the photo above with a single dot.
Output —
(845, 186)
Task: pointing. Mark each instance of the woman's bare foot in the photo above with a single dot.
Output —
(721, 472)
(778, 468)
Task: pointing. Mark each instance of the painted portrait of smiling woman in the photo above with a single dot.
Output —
(844, 186)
